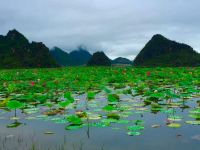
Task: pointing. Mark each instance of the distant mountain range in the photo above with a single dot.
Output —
(160, 51)
(77, 57)
(17, 52)
(81, 57)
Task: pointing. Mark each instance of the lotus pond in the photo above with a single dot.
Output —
(100, 108)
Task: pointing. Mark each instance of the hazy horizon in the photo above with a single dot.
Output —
(120, 28)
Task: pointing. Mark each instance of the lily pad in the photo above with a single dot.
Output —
(175, 118)
(94, 116)
(73, 127)
(48, 132)
(174, 125)
(109, 108)
(113, 116)
(193, 122)
(123, 121)
(14, 125)
(91, 95)
(100, 124)
(133, 133)
(75, 120)
(135, 128)
(113, 98)
(155, 126)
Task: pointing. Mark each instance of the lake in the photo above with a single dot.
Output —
(132, 125)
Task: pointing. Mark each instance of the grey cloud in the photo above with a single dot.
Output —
(119, 27)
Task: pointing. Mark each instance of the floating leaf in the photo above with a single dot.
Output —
(30, 118)
(73, 127)
(69, 97)
(195, 111)
(14, 118)
(135, 128)
(94, 116)
(193, 122)
(31, 110)
(113, 116)
(64, 103)
(138, 122)
(109, 120)
(75, 120)
(133, 133)
(109, 108)
(174, 125)
(174, 118)
(100, 124)
(48, 132)
(123, 121)
(81, 114)
(91, 95)
(155, 126)
(14, 125)
(113, 98)
(196, 116)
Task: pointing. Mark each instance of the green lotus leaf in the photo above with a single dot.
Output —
(135, 128)
(113, 98)
(14, 104)
(64, 103)
(49, 104)
(133, 133)
(100, 124)
(123, 121)
(175, 118)
(73, 127)
(138, 122)
(109, 108)
(91, 95)
(14, 125)
(75, 120)
(196, 116)
(167, 111)
(195, 111)
(193, 122)
(109, 120)
(69, 97)
(113, 116)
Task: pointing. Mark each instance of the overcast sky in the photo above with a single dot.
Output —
(118, 27)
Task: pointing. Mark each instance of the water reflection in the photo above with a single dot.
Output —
(103, 125)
